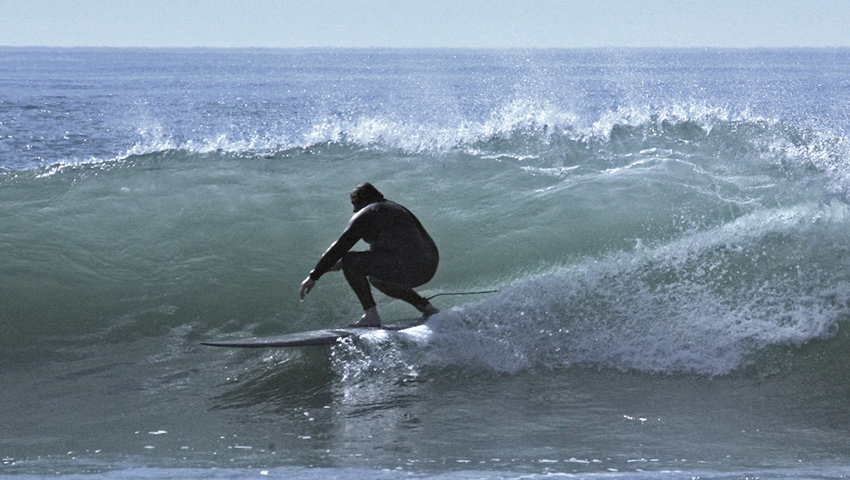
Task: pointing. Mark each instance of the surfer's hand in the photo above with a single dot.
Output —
(306, 286)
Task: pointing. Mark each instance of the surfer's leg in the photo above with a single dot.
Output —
(355, 268)
(400, 292)
(406, 294)
(392, 276)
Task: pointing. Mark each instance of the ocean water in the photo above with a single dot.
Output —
(668, 232)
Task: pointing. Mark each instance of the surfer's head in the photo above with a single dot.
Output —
(365, 194)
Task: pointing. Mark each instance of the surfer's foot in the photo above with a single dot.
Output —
(369, 319)
(429, 310)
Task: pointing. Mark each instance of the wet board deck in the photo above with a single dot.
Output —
(327, 336)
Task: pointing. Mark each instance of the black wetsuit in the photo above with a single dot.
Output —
(402, 254)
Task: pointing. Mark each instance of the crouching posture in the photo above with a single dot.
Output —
(401, 256)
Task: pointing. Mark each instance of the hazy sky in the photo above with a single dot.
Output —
(425, 23)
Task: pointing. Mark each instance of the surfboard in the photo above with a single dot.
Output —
(327, 336)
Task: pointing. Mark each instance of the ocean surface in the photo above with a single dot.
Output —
(668, 232)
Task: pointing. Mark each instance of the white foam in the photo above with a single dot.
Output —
(662, 309)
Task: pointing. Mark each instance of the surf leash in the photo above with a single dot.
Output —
(461, 293)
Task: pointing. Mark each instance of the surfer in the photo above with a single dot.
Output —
(401, 256)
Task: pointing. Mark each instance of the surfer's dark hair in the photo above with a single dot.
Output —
(366, 193)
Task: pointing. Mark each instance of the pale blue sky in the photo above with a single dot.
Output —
(426, 23)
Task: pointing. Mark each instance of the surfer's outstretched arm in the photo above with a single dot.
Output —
(309, 283)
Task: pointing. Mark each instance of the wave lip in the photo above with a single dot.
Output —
(538, 133)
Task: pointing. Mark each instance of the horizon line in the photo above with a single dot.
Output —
(336, 47)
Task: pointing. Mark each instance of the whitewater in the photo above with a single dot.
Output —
(668, 232)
